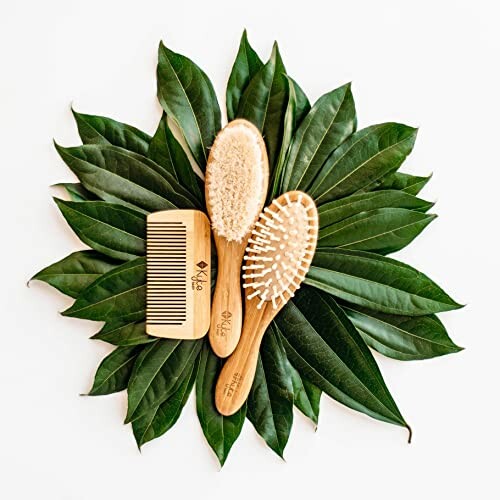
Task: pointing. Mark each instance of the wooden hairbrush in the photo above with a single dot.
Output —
(276, 262)
(237, 177)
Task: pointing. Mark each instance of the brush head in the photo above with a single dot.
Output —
(281, 249)
(237, 176)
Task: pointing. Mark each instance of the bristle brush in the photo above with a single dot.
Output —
(277, 260)
(237, 177)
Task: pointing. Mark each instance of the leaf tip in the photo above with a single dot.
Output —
(222, 460)
(275, 53)
(67, 312)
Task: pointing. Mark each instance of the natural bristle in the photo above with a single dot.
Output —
(235, 181)
(280, 250)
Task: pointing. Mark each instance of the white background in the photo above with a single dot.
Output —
(428, 64)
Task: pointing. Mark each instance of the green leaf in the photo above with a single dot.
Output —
(119, 294)
(302, 104)
(76, 272)
(325, 347)
(366, 156)
(306, 395)
(289, 130)
(377, 282)
(77, 192)
(101, 130)
(157, 373)
(124, 333)
(220, 432)
(270, 402)
(335, 211)
(160, 419)
(188, 97)
(330, 122)
(123, 177)
(411, 184)
(114, 371)
(246, 65)
(166, 151)
(383, 230)
(264, 103)
(402, 337)
(114, 230)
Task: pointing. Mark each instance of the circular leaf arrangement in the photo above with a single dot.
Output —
(354, 297)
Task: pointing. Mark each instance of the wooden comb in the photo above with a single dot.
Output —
(178, 274)
(276, 262)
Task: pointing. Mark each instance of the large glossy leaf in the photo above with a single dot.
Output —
(114, 371)
(114, 230)
(102, 130)
(77, 192)
(402, 337)
(366, 156)
(383, 230)
(337, 210)
(157, 374)
(123, 177)
(119, 294)
(270, 402)
(124, 333)
(160, 419)
(302, 104)
(288, 131)
(412, 184)
(76, 272)
(187, 96)
(166, 151)
(306, 396)
(220, 432)
(323, 345)
(246, 65)
(377, 282)
(331, 120)
(264, 103)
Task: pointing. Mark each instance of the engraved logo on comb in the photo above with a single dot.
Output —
(200, 276)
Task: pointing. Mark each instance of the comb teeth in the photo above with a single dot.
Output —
(282, 248)
(166, 273)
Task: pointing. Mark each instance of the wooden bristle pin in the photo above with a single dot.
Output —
(292, 223)
(178, 274)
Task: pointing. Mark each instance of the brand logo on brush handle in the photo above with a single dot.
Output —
(224, 325)
(232, 387)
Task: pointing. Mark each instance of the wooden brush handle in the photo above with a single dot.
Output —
(226, 317)
(238, 373)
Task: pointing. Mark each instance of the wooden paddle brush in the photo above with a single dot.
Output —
(276, 262)
(237, 177)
